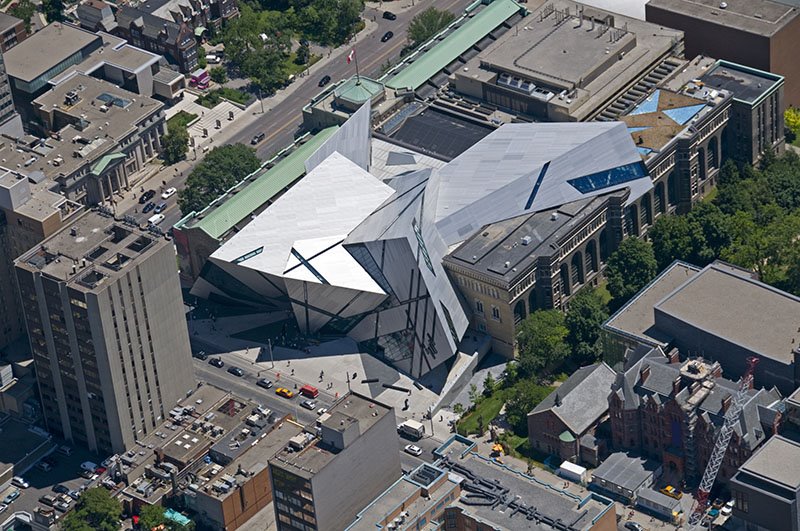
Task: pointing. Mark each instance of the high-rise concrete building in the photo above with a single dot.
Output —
(106, 325)
(322, 483)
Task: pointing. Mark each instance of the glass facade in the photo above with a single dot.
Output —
(608, 178)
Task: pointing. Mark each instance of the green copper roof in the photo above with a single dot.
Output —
(199, 30)
(566, 436)
(445, 52)
(358, 90)
(102, 163)
(219, 219)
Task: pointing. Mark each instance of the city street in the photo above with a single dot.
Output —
(282, 121)
(282, 118)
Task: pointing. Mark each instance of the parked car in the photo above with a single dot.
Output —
(413, 450)
(386, 36)
(3, 507)
(633, 526)
(236, 371)
(321, 411)
(48, 500)
(169, 192)
(309, 404)
(672, 492)
(282, 391)
(258, 137)
(99, 470)
(263, 382)
(19, 482)
(74, 494)
(65, 450)
(147, 196)
(58, 488)
(200, 355)
(61, 506)
(388, 15)
(727, 509)
(216, 362)
(11, 496)
(148, 207)
(161, 207)
(324, 81)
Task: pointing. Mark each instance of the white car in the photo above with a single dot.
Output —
(3, 507)
(169, 192)
(19, 482)
(308, 404)
(321, 411)
(727, 509)
(413, 450)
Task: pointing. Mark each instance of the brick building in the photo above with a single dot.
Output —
(564, 423)
(672, 412)
(760, 34)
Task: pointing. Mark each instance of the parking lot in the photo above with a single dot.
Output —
(65, 470)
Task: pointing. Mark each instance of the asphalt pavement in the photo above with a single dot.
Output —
(282, 121)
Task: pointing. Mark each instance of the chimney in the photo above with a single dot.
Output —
(644, 373)
(676, 385)
(557, 400)
(726, 403)
(673, 356)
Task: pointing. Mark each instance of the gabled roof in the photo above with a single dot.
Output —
(582, 399)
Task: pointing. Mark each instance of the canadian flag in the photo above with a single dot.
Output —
(351, 55)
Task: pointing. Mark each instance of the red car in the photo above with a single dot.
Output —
(99, 470)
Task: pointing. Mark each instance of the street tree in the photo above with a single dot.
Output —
(95, 510)
(223, 167)
(542, 342)
(629, 269)
(151, 516)
(218, 75)
(427, 24)
(174, 145)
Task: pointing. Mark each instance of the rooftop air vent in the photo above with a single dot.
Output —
(723, 5)
(526, 240)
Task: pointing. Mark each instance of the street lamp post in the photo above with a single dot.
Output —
(430, 416)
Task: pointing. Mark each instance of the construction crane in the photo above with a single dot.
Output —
(721, 446)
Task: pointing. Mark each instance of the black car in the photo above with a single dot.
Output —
(148, 207)
(324, 81)
(236, 371)
(147, 196)
(60, 489)
(216, 362)
(200, 355)
(633, 526)
(257, 138)
(386, 36)
(263, 382)
(388, 15)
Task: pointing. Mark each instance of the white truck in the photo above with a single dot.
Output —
(412, 428)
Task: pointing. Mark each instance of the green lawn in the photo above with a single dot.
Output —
(212, 99)
(520, 447)
(180, 121)
(602, 291)
(487, 409)
(293, 68)
(710, 196)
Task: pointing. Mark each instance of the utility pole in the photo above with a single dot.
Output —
(430, 416)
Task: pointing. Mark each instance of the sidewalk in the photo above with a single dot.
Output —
(217, 137)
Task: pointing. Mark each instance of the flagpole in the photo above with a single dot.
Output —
(355, 56)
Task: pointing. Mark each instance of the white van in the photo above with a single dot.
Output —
(213, 59)
(155, 220)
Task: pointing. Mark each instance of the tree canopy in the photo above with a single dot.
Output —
(583, 319)
(629, 269)
(427, 24)
(24, 10)
(174, 145)
(53, 10)
(223, 167)
(95, 510)
(523, 397)
(541, 340)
